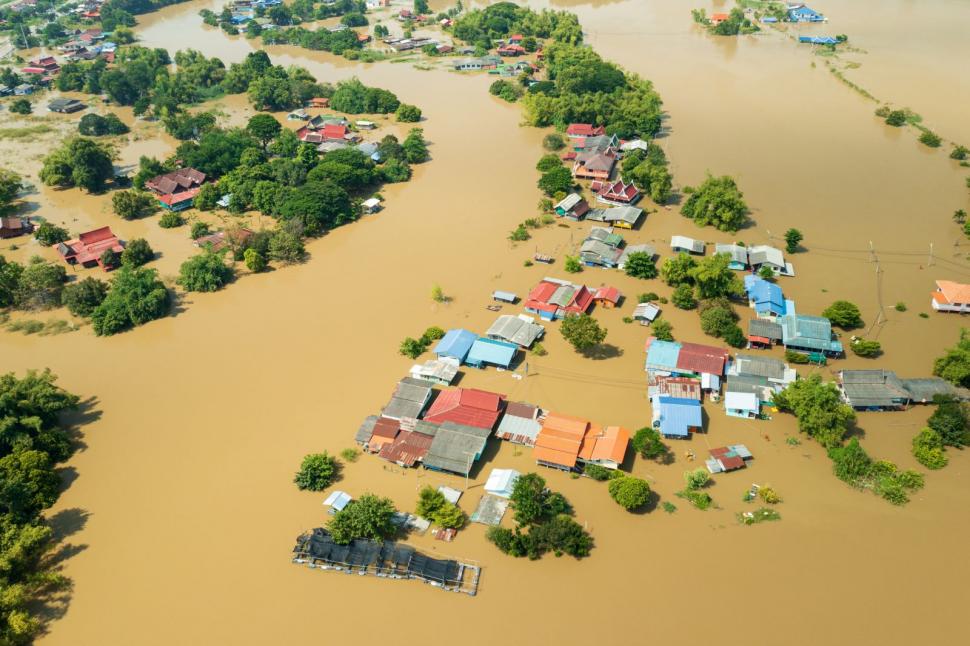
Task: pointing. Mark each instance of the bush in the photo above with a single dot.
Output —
(254, 260)
(130, 205)
(866, 348)
(170, 220)
(317, 472)
(81, 298)
(851, 463)
(582, 332)
(572, 265)
(647, 442)
(548, 162)
(896, 118)
(647, 298)
(21, 106)
(900, 306)
(198, 230)
(662, 329)
(286, 246)
(696, 479)
(640, 264)
(596, 472)
(408, 113)
(796, 357)
(506, 90)
(769, 496)
(959, 153)
(519, 234)
(48, 234)
(950, 420)
(928, 449)
(930, 139)
(629, 492)
(553, 142)
(734, 337)
(683, 297)
(205, 272)
(137, 253)
(843, 314)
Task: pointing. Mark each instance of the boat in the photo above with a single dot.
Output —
(539, 257)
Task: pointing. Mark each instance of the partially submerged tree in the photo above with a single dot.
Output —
(317, 472)
(582, 331)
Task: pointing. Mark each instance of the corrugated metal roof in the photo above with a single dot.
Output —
(455, 343)
(752, 365)
(515, 329)
(679, 415)
(766, 329)
(662, 355)
(741, 401)
(492, 352)
(455, 447)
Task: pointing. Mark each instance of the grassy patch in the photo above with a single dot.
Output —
(700, 499)
(26, 131)
(758, 516)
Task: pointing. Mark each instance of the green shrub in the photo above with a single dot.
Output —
(317, 472)
(930, 139)
(170, 220)
(596, 472)
(629, 492)
(928, 449)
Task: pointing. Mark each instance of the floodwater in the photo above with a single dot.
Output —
(183, 512)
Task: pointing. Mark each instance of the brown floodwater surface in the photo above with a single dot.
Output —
(203, 417)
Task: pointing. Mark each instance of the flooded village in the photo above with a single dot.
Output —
(179, 514)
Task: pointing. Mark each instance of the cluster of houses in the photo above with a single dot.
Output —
(742, 258)
(88, 249)
(329, 132)
(176, 190)
(574, 207)
(447, 430)
(594, 156)
(678, 375)
(85, 45)
(243, 12)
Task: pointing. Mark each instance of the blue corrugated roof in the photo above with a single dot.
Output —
(492, 352)
(662, 355)
(456, 343)
(677, 415)
(767, 296)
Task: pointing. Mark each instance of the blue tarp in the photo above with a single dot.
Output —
(491, 352)
(677, 415)
(456, 343)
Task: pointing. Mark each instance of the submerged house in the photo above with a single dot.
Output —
(491, 352)
(65, 106)
(744, 405)
(597, 253)
(468, 406)
(604, 447)
(607, 297)
(675, 417)
(809, 334)
(625, 217)
(455, 344)
(411, 444)
(635, 248)
(803, 13)
(594, 165)
(951, 297)
(439, 371)
(501, 482)
(572, 207)
(566, 442)
(764, 297)
(677, 387)
(409, 400)
(15, 225)
(554, 299)
(873, 390)
(728, 458)
(738, 254)
(617, 193)
(646, 312)
(520, 424)
(670, 358)
(456, 447)
(763, 333)
(687, 245)
(176, 190)
(764, 256)
(88, 248)
(520, 330)
(777, 374)
(584, 130)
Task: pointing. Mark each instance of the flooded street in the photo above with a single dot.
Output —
(184, 488)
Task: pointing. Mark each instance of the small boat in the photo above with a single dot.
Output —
(539, 257)
(493, 308)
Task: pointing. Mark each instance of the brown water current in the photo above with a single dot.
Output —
(185, 480)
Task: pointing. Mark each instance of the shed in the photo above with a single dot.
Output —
(520, 424)
(456, 343)
(490, 510)
(646, 312)
(485, 351)
(371, 205)
(337, 500)
(607, 296)
(501, 481)
(505, 297)
(741, 405)
(689, 245)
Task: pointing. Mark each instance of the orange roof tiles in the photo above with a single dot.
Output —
(953, 292)
(605, 444)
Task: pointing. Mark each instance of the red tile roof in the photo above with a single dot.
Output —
(90, 245)
(468, 406)
(334, 131)
(611, 294)
(584, 130)
(607, 444)
(702, 358)
(560, 439)
(182, 179)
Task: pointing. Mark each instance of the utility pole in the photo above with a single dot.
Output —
(929, 263)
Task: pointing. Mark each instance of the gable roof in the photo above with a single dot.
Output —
(469, 406)
(683, 242)
(607, 444)
(762, 254)
(738, 253)
(765, 329)
(954, 292)
(702, 358)
(181, 179)
(583, 130)
(455, 343)
(813, 332)
(758, 366)
(455, 447)
(515, 329)
(865, 388)
(520, 423)
(628, 214)
(560, 439)
(678, 416)
(491, 351)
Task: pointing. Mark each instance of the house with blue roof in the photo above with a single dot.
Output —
(456, 344)
(804, 13)
(662, 356)
(485, 351)
(819, 40)
(764, 297)
(676, 417)
(809, 334)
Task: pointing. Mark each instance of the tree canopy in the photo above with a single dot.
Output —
(954, 366)
(317, 472)
(78, 162)
(582, 331)
(367, 517)
(717, 202)
(629, 492)
(819, 408)
(844, 314)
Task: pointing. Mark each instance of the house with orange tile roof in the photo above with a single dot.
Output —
(951, 297)
(567, 443)
(604, 447)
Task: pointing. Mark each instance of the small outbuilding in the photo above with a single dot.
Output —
(687, 245)
(743, 405)
(501, 481)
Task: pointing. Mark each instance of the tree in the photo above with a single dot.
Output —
(81, 298)
(928, 449)
(640, 264)
(48, 234)
(78, 162)
(208, 197)
(110, 259)
(696, 479)
(421, 7)
(865, 348)
(10, 186)
(851, 463)
(136, 296)
(395, 170)
(844, 314)
(954, 366)
(21, 106)
(205, 272)
(254, 260)
(557, 180)
(170, 220)
(548, 162)
(792, 238)
(286, 246)
(662, 330)
(133, 204)
(677, 270)
(819, 408)
(318, 206)
(506, 90)
(717, 202)
(647, 442)
(714, 277)
(415, 147)
(629, 492)
(572, 265)
(407, 113)
(931, 139)
(137, 253)
(683, 297)
(317, 472)
(199, 229)
(582, 331)
(412, 348)
(369, 517)
(264, 128)
(950, 420)
(553, 142)
(94, 125)
(734, 336)
(717, 318)
(433, 506)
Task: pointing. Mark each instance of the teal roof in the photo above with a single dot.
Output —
(491, 352)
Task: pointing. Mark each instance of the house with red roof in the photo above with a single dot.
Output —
(89, 247)
(329, 132)
(717, 18)
(176, 190)
(516, 39)
(608, 297)
(595, 166)
(510, 50)
(466, 406)
(617, 193)
(554, 299)
(41, 66)
(604, 447)
(585, 130)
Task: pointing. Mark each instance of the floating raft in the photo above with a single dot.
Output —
(384, 559)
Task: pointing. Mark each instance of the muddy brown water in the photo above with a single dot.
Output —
(201, 419)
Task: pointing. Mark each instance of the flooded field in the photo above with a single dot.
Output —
(183, 511)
